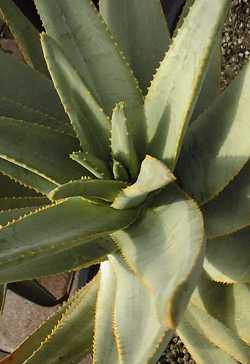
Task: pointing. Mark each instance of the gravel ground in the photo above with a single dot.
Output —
(236, 40)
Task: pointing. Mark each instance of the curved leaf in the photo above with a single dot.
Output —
(105, 190)
(202, 350)
(92, 164)
(153, 176)
(177, 83)
(10, 188)
(229, 304)
(10, 203)
(73, 258)
(230, 210)
(165, 249)
(39, 149)
(212, 155)
(87, 42)
(228, 258)
(211, 85)
(25, 178)
(41, 106)
(25, 34)
(146, 47)
(88, 119)
(8, 216)
(105, 350)
(75, 320)
(137, 328)
(122, 145)
(53, 230)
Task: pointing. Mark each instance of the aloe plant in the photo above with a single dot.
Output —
(117, 147)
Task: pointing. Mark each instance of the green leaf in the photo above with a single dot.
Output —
(39, 149)
(34, 98)
(10, 203)
(74, 258)
(26, 178)
(87, 42)
(137, 328)
(94, 165)
(165, 249)
(230, 210)
(229, 304)
(228, 258)
(25, 34)
(202, 350)
(122, 146)
(145, 47)
(88, 119)
(211, 84)
(10, 188)
(153, 176)
(105, 350)
(218, 334)
(119, 171)
(69, 224)
(177, 83)
(105, 190)
(212, 155)
(9, 216)
(75, 320)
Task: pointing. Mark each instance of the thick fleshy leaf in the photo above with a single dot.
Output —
(25, 34)
(177, 83)
(137, 328)
(201, 349)
(39, 149)
(8, 216)
(87, 42)
(122, 145)
(145, 47)
(217, 334)
(228, 257)
(75, 258)
(88, 119)
(165, 248)
(119, 171)
(10, 203)
(211, 84)
(53, 230)
(212, 155)
(41, 105)
(75, 321)
(26, 178)
(230, 210)
(153, 176)
(105, 190)
(96, 166)
(105, 350)
(229, 304)
(10, 188)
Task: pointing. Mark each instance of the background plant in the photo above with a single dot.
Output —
(130, 212)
